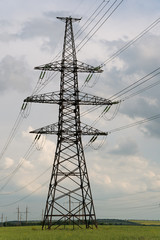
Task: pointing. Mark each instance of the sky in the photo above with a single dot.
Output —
(125, 171)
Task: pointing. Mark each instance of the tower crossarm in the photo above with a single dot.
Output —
(84, 99)
(53, 129)
(51, 98)
(69, 18)
(69, 66)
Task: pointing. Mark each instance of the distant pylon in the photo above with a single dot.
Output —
(69, 179)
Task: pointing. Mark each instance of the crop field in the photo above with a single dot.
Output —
(102, 233)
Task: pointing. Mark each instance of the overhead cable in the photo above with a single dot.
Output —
(135, 124)
(92, 18)
(136, 84)
(24, 112)
(28, 184)
(140, 35)
(131, 87)
(99, 25)
(25, 197)
(21, 162)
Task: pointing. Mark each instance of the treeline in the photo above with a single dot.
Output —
(116, 222)
(20, 223)
(99, 222)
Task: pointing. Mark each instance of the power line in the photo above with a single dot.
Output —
(26, 156)
(88, 22)
(140, 35)
(31, 182)
(100, 24)
(25, 197)
(142, 90)
(136, 84)
(11, 135)
(24, 112)
(135, 123)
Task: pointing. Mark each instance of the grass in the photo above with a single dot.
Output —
(102, 233)
(147, 222)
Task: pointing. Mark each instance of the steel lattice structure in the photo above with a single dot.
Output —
(69, 177)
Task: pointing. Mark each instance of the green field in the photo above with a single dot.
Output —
(147, 222)
(102, 233)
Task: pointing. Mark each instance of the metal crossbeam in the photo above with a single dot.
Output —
(85, 130)
(69, 66)
(69, 98)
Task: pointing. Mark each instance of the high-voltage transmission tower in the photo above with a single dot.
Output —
(69, 199)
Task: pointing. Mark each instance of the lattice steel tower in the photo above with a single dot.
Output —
(69, 178)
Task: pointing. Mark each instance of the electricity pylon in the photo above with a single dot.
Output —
(69, 178)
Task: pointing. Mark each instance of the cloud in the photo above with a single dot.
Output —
(53, 15)
(31, 170)
(8, 30)
(142, 107)
(7, 163)
(27, 165)
(126, 147)
(140, 58)
(124, 175)
(42, 28)
(15, 74)
(152, 129)
(37, 28)
(36, 165)
(47, 28)
(130, 66)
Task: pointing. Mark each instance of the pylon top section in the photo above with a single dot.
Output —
(69, 18)
(69, 61)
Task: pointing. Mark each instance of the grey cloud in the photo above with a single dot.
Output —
(136, 62)
(143, 56)
(4, 23)
(6, 37)
(15, 74)
(140, 58)
(50, 32)
(140, 107)
(125, 148)
(48, 28)
(153, 129)
(53, 15)
(37, 28)
(6, 27)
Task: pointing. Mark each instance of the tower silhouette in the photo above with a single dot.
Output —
(69, 178)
